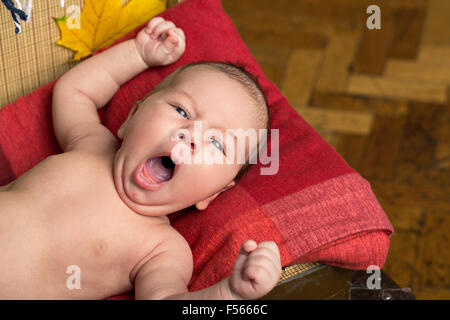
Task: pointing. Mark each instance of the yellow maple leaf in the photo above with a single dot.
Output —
(103, 21)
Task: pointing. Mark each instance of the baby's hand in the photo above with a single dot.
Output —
(256, 271)
(160, 43)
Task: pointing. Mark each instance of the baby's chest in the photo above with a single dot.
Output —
(73, 197)
(104, 241)
(71, 207)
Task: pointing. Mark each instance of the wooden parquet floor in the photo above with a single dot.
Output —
(381, 98)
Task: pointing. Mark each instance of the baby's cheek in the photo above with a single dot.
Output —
(209, 178)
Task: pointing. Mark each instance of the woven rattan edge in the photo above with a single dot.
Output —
(295, 270)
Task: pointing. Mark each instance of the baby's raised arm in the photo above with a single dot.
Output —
(91, 84)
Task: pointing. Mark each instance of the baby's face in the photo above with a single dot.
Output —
(144, 172)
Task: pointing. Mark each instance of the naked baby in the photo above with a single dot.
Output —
(102, 206)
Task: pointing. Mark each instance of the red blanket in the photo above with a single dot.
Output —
(316, 207)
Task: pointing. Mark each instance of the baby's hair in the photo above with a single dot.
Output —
(245, 78)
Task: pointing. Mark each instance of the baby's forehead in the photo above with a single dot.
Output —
(247, 104)
(200, 72)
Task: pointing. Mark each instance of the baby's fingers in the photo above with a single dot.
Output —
(268, 256)
(170, 43)
(269, 250)
(258, 273)
(161, 29)
(246, 248)
(265, 261)
(153, 23)
(179, 32)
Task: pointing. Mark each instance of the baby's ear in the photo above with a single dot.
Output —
(202, 205)
(123, 127)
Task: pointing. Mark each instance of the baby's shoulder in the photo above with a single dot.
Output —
(167, 240)
(84, 160)
(78, 171)
(172, 249)
(93, 139)
(172, 240)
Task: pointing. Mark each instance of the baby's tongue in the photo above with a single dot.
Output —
(155, 169)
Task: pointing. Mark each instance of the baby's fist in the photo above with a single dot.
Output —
(160, 42)
(256, 271)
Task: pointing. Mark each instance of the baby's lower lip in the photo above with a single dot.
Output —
(145, 179)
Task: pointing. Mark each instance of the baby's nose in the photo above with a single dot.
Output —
(182, 137)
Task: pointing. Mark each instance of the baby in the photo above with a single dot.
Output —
(102, 207)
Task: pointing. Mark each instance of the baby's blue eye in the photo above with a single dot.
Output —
(182, 112)
(217, 144)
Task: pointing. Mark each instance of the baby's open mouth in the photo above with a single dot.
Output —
(153, 172)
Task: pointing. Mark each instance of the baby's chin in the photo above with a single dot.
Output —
(142, 203)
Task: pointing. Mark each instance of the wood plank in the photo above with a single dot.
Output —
(419, 143)
(405, 218)
(344, 101)
(442, 155)
(408, 25)
(431, 72)
(338, 58)
(436, 31)
(380, 153)
(409, 4)
(272, 61)
(328, 136)
(433, 53)
(302, 69)
(416, 175)
(375, 44)
(433, 261)
(298, 13)
(401, 260)
(390, 87)
(291, 38)
(351, 148)
(337, 120)
(404, 194)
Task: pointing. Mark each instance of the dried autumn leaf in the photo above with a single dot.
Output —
(103, 21)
